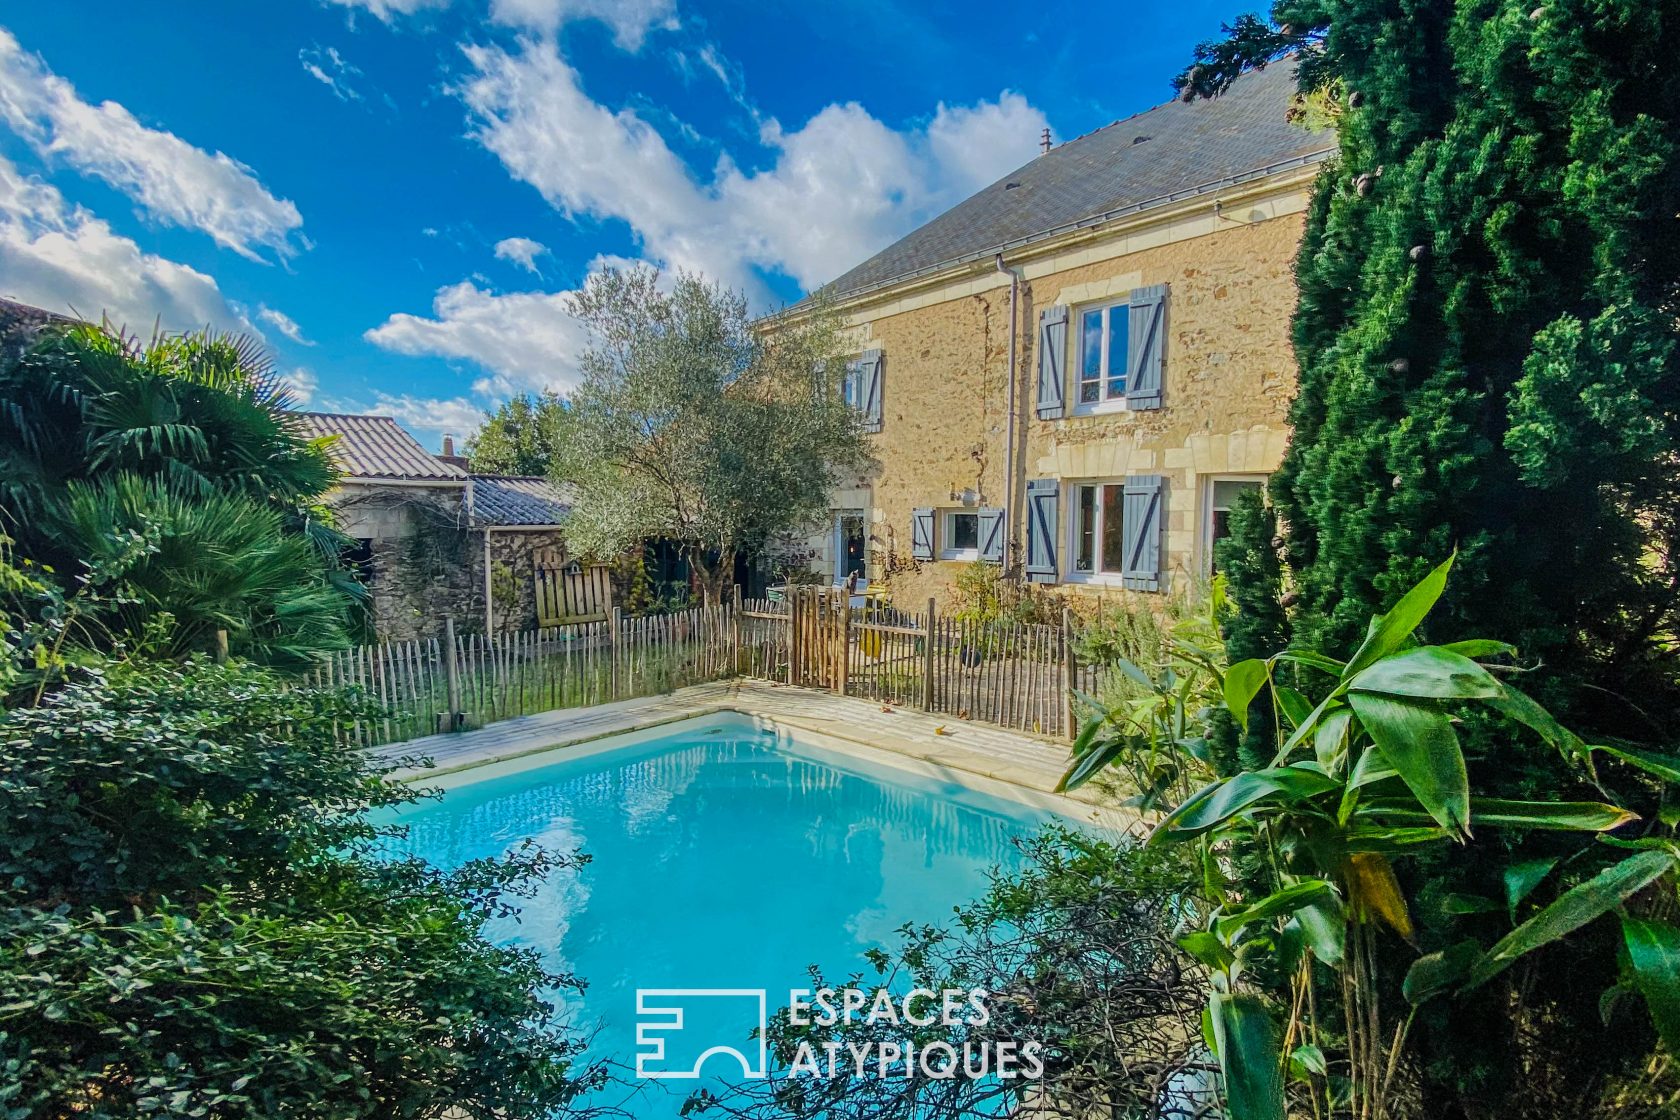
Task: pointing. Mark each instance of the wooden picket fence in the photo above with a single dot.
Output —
(1017, 676)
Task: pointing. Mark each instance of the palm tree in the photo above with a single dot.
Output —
(172, 470)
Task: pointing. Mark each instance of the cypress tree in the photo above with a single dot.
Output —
(1487, 343)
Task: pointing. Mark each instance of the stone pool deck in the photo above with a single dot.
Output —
(939, 746)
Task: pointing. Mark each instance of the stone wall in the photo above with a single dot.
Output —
(421, 564)
(514, 555)
(1229, 376)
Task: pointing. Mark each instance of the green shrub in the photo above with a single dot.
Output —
(196, 919)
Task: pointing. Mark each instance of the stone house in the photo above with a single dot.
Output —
(1074, 372)
(435, 541)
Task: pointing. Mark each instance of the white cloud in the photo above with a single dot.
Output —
(327, 66)
(521, 251)
(173, 181)
(389, 10)
(630, 20)
(283, 323)
(841, 187)
(525, 340)
(65, 259)
(302, 384)
(430, 415)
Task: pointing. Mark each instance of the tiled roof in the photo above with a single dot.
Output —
(1171, 152)
(377, 447)
(518, 500)
(19, 326)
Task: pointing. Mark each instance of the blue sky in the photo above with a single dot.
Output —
(397, 194)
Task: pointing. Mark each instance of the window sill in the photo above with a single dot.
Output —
(1102, 408)
(1094, 579)
(967, 554)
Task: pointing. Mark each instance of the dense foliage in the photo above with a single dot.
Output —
(1078, 954)
(1307, 914)
(694, 425)
(523, 436)
(170, 473)
(196, 920)
(1487, 343)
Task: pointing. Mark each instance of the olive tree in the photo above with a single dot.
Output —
(696, 424)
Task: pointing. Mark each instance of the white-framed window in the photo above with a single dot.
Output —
(851, 386)
(1099, 367)
(959, 534)
(1220, 493)
(850, 543)
(1096, 530)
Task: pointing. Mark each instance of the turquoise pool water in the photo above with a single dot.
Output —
(722, 858)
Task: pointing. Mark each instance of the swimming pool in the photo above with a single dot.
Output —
(725, 856)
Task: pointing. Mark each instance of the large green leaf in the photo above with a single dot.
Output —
(1532, 714)
(1091, 762)
(1552, 816)
(1573, 909)
(1431, 672)
(1418, 740)
(1219, 801)
(1664, 766)
(1522, 877)
(1243, 682)
(1246, 1038)
(1275, 905)
(1437, 973)
(1654, 951)
(1390, 632)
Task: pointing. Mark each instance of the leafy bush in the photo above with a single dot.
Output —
(1077, 952)
(198, 920)
(1299, 856)
(170, 475)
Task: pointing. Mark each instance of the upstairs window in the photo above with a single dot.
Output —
(1102, 355)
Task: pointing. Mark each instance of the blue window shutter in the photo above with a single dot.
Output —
(921, 534)
(874, 364)
(991, 535)
(1144, 508)
(1052, 361)
(1146, 346)
(1042, 526)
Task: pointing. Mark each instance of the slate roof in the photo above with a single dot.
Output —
(499, 499)
(377, 447)
(1171, 152)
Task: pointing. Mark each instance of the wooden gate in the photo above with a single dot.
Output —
(818, 637)
(573, 594)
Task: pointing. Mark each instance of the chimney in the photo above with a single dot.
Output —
(449, 455)
(1044, 142)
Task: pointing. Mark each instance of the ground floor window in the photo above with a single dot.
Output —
(959, 537)
(1221, 494)
(850, 543)
(1098, 528)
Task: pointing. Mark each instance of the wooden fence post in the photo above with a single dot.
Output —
(844, 669)
(1070, 673)
(735, 633)
(927, 658)
(452, 675)
(617, 623)
(795, 594)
